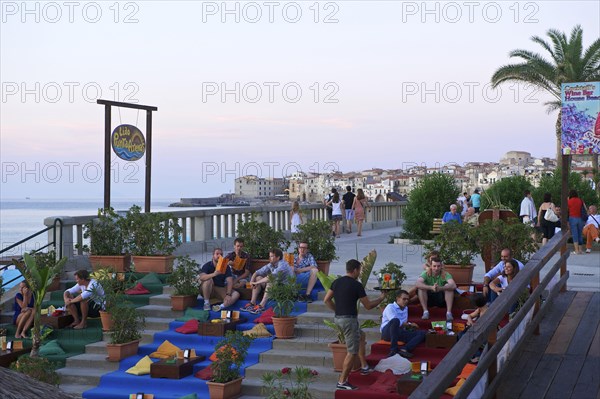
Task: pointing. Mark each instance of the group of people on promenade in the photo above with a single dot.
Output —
(350, 207)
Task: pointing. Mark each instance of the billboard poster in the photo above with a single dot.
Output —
(580, 121)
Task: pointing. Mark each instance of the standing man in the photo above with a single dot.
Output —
(452, 215)
(326, 200)
(494, 272)
(395, 327)
(464, 204)
(348, 199)
(239, 261)
(476, 200)
(436, 289)
(527, 212)
(346, 291)
(305, 267)
(214, 283)
(79, 302)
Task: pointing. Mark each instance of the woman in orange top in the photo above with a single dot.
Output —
(575, 221)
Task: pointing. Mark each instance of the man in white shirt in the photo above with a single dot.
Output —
(464, 204)
(505, 255)
(80, 300)
(527, 213)
(395, 327)
(591, 228)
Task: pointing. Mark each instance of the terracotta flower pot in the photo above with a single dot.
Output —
(182, 302)
(339, 352)
(284, 327)
(256, 264)
(218, 390)
(462, 275)
(156, 264)
(106, 320)
(116, 352)
(120, 263)
(323, 266)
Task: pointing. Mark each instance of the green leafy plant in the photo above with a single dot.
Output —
(283, 291)
(231, 353)
(506, 193)
(288, 383)
(128, 323)
(107, 234)
(113, 288)
(38, 368)
(184, 278)
(259, 238)
(399, 275)
(455, 244)
(321, 243)
(552, 184)
(39, 272)
(340, 333)
(500, 234)
(367, 266)
(152, 234)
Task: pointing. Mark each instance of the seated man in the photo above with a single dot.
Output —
(436, 289)
(590, 230)
(453, 215)
(216, 284)
(395, 327)
(505, 255)
(471, 217)
(305, 267)
(260, 278)
(83, 299)
(239, 262)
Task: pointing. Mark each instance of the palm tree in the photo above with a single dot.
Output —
(568, 64)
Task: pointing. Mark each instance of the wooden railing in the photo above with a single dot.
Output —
(485, 330)
(220, 223)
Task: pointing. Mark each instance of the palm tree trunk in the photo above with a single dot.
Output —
(36, 331)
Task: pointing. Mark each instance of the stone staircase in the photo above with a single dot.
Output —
(83, 372)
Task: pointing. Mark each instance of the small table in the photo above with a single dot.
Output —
(440, 340)
(407, 383)
(9, 356)
(217, 329)
(174, 370)
(57, 322)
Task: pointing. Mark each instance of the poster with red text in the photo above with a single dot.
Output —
(580, 118)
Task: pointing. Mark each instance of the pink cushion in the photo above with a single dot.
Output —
(266, 317)
(190, 327)
(139, 289)
(205, 374)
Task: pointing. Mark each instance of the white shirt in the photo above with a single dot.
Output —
(93, 288)
(528, 208)
(593, 219)
(393, 311)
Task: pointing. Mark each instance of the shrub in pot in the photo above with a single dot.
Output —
(126, 331)
(321, 243)
(111, 295)
(283, 291)
(231, 352)
(184, 280)
(259, 238)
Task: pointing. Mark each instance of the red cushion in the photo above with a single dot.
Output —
(266, 317)
(386, 382)
(205, 374)
(190, 327)
(139, 289)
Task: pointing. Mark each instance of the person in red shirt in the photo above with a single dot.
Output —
(575, 222)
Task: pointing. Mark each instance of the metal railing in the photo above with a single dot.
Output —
(485, 329)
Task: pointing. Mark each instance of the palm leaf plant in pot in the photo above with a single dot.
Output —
(126, 332)
(154, 238)
(339, 348)
(108, 241)
(283, 291)
(184, 280)
(321, 243)
(259, 239)
(230, 352)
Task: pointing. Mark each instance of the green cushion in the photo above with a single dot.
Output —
(150, 278)
(190, 313)
(51, 348)
(190, 396)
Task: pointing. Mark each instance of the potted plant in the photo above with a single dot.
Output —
(397, 274)
(289, 383)
(321, 243)
(457, 248)
(47, 260)
(495, 235)
(283, 291)
(259, 238)
(339, 348)
(231, 353)
(126, 331)
(184, 280)
(111, 295)
(154, 238)
(108, 241)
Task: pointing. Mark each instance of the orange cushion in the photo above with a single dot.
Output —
(383, 342)
(213, 357)
(467, 370)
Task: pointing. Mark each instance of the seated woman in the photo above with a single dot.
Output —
(24, 304)
(511, 269)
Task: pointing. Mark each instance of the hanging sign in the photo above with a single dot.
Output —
(580, 118)
(128, 142)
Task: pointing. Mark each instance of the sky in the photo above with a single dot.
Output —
(265, 88)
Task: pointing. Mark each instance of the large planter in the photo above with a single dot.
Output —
(153, 264)
(182, 302)
(120, 263)
(256, 264)
(218, 390)
(106, 320)
(339, 352)
(323, 266)
(284, 327)
(462, 275)
(116, 352)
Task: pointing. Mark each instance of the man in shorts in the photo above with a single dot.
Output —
(83, 299)
(346, 291)
(436, 288)
(239, 262)
(215, 284)
(305, 267)
(348, 199)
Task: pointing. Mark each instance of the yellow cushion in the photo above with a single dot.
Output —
(258, 331)
(467, 370)
(165, 351)
(142, 367)
(452, 391)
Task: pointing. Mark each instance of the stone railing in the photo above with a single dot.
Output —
(218, 225)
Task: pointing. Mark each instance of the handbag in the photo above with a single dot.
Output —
(584, 214)
(550, 215)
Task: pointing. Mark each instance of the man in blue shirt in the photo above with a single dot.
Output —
(505, 255)
(216, 284)
(453, 215)
(260, 278)
(305, 267)
(395, 327)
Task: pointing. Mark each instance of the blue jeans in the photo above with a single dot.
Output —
(576, 225)
(393, 332)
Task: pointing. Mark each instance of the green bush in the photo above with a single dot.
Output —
(552, 184)
(38, 368)
(259, 238)
(509, 192)
(428, 200)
